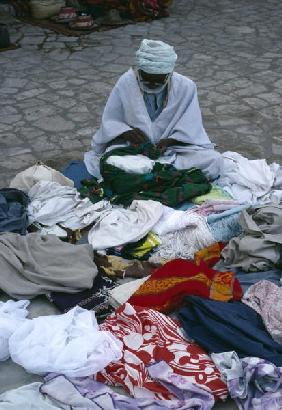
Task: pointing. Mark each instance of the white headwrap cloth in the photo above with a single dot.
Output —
(155, 57)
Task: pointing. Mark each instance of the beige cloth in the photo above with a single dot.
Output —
(33, 264)
(120, 295)
(38, 172)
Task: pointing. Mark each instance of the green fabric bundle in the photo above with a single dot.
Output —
(165, 184)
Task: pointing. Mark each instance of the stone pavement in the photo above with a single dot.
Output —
(53, 88)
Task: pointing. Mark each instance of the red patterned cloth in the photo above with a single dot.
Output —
(149, 337)
(168, 285)
(210, 255)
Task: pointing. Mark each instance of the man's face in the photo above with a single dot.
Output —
(153, 81)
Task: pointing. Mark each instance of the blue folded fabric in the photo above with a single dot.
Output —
(233, 211)
(248, 279)
(13, 211)
(222, 327)
(226, 228)
(76, 171)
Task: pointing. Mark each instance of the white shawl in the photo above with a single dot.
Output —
(181, 118)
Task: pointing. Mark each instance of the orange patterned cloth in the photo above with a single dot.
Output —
(209, 255)
(166, 288)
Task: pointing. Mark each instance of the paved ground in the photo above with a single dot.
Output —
(53, 89)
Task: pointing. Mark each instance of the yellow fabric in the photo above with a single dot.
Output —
(151, 242)
(216, 194)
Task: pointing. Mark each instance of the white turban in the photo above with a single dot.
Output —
(155, 57)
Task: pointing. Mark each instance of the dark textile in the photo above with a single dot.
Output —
(13, 211)
(95, 298)
(140, 250)
(76, 171)
(164, 184)
(223, 327)
(139, 10)
(117, 267)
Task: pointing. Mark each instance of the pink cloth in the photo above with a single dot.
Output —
(266, 299)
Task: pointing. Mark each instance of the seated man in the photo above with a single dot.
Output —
(155, 104)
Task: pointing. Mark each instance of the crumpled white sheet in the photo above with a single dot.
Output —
(12, 315)
(119, 226)
(185, 242)
(173, 220)
(69, 344)
(39, 172)
(136, 164)
(249, 181)
(52, 203)
(27, 397)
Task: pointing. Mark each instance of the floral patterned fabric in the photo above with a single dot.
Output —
(149, 337)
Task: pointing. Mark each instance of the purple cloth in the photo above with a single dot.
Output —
(254, 383)
(89, 394)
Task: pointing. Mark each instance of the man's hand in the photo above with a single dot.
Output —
(134, 136)
(165, 143)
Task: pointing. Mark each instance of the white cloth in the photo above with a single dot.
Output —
(120, 294)
(52, 203)
(184, 243)
(137, 164)
(120, 226)
(173, 220)
(125, 109)
(249, 181)
(12, 315)
(69, 344)
(155, 57)
(27, 398)
(38, 172)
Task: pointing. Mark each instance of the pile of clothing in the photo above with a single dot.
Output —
(167, 286)
(138, 10)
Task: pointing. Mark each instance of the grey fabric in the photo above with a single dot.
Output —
(32, 265)
(259, 247)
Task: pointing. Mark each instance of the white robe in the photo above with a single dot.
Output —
(180, 119)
